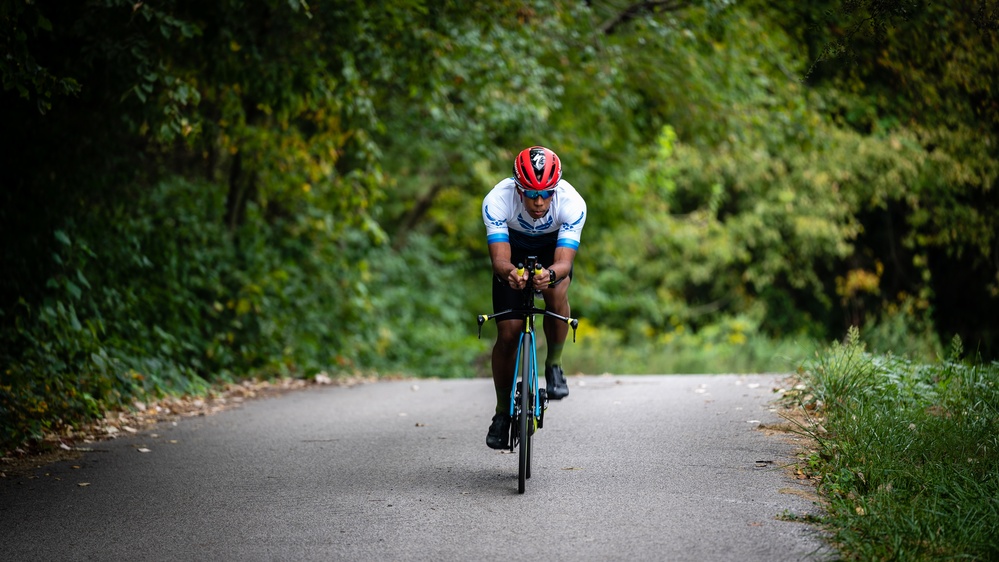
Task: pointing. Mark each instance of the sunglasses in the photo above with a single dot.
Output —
(535, 193)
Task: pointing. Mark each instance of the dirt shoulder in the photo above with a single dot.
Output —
(69, 443)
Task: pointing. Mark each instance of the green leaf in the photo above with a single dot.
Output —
(82, 279)
(74, 290)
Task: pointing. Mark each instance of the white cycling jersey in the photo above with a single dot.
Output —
(507, 220)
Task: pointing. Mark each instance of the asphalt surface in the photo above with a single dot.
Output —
(626, 468)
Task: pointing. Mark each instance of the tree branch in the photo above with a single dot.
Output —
(415, 214)
(636, 9)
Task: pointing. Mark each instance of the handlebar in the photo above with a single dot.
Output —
(529, 308)
(532, 265)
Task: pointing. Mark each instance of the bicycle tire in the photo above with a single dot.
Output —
(526, 411)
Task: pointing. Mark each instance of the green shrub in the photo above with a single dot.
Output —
(909, 455)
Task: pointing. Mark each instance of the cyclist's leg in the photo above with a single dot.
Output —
(508, 330)
(557, 301)
(556, 331)
(504, 359)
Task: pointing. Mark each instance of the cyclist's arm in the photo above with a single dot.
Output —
(572, 217)
(563, 262)
(500, 254)
(561, 267)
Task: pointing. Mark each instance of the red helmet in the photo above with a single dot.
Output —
(537, 168)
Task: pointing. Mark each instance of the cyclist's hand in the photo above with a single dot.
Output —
(517, 280)
(541, 279)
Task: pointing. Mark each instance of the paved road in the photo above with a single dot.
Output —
(626, 468)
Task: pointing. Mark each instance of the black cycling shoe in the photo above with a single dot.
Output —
(499, 432)
(555, 381)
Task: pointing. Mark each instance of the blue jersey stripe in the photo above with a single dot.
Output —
(568, 243)
(499, 237)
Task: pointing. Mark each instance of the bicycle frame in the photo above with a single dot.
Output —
(532, 372)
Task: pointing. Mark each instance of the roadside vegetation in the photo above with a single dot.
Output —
(906, 453)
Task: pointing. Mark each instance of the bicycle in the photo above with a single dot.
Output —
(528, 402)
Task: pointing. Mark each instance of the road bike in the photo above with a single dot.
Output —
(528, 402)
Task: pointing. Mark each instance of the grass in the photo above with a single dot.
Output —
(907, 454)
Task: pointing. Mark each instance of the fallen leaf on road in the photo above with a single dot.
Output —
(143, 450)
(572, 468)
(83, 484)
(418, 424)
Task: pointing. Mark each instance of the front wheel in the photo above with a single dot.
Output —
(526, 417)
(525, 437)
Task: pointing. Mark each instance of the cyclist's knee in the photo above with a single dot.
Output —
(507, 332)
(557, 301)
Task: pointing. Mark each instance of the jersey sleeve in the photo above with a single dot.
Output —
(573, 218)
(494, 215)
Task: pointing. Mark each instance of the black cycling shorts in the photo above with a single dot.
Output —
(506, 297)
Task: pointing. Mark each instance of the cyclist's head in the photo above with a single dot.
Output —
(537, 169)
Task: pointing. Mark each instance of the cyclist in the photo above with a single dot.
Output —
(533, 213)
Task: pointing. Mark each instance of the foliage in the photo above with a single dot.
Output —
(727, 203)
(204, 191)
(908, 455)
(733, 345)
(21, 70)
(931, 78)
(166, 311)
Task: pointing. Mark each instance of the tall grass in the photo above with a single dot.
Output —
(908, 453)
